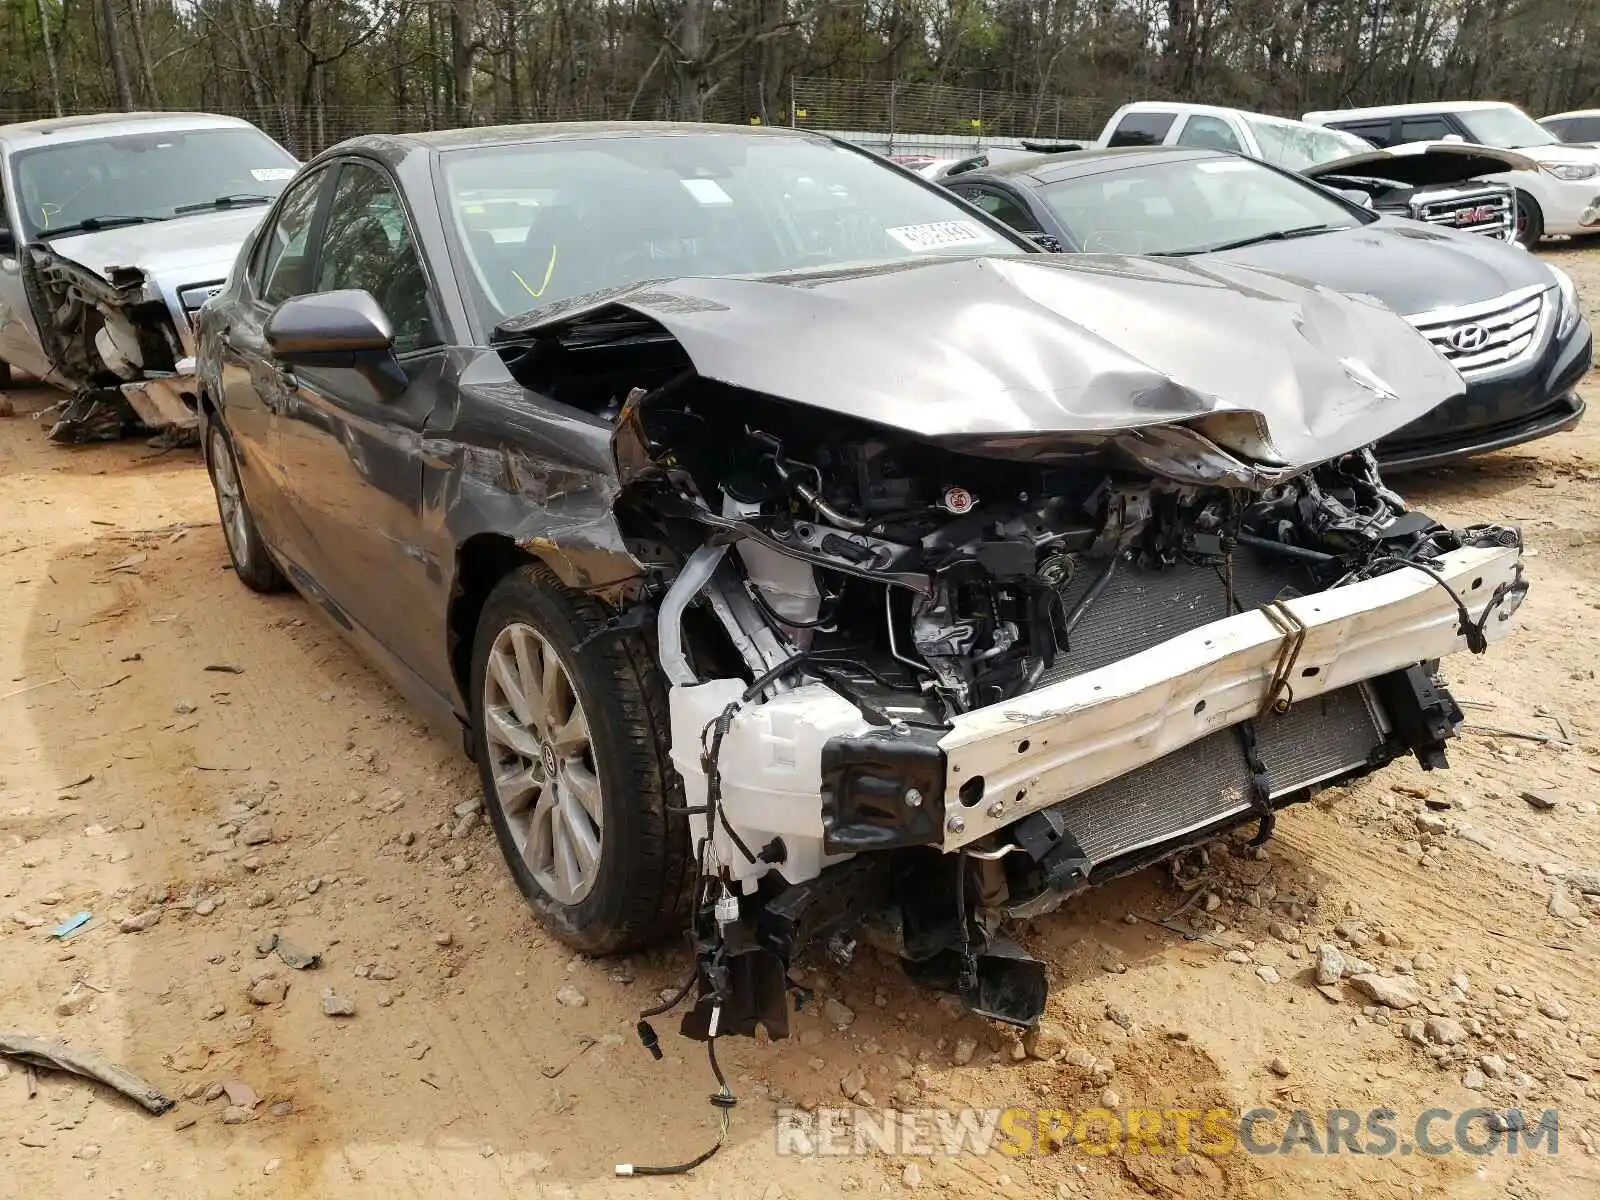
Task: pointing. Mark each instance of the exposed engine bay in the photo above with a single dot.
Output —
(923, 683)
(112, 341)
(873, 596)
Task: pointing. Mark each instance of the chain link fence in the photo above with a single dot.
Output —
(892, 118)
(923, 118)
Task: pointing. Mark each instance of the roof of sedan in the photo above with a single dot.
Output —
(475, 137)
(73, 129)
(1047, 168)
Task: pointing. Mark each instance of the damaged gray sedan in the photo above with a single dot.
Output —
(793, 545)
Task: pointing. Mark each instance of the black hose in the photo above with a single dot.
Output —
(1088, 598)
(776, 617)
(1283, 549)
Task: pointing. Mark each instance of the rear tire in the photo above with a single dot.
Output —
(572, 752)
(1530, 221)
(251, 561)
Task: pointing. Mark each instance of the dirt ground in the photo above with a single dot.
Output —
(174, 747)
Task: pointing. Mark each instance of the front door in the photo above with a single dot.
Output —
(352, 455)
(255, 386)
(19, 330)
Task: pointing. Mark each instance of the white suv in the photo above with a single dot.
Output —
(1562, 196)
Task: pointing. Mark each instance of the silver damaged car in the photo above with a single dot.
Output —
(114, 230)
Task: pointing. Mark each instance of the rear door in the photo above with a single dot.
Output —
(1427, 127)
(255, 387)
(353, 456)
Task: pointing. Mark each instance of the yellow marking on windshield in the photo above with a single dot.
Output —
(548, 271)
(48, 211)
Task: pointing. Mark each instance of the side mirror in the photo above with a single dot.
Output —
(337, 329)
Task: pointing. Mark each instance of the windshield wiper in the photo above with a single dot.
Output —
(1276, 235)
(94, 224)
(224, 202)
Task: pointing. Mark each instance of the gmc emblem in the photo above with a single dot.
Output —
(1476, 216)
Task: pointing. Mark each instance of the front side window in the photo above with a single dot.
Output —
(1191, 206)
(1142, 129)
(1210, 133)
(139, 177)
(544, 221)
(283, 257)
(1573, 129)
(367, 246)
(1506, 127)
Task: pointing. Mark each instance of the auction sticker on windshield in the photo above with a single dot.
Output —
(262, 174)
(936, 235)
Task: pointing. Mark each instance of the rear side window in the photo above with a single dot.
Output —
(1379, 133)
(1142, 129)
(1211, 133)
(1424, 129)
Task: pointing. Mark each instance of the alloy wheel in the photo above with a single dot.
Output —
(230, 499)
(542, 763)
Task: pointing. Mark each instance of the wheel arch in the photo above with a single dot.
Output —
(482, 561)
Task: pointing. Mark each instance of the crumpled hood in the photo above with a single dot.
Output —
(982, 352)
(199, 248)
(1420, 164)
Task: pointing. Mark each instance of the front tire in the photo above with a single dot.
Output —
(572, 752)
(251, 561)
(1530, 221)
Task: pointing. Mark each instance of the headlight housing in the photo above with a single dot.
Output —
(1572, 171)
(1567, 313)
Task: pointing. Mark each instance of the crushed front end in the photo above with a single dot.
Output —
(1063, 568)
(956, 691)
(117, 346)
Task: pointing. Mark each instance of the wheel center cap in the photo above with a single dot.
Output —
(547, 755)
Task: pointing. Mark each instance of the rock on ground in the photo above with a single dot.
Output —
(1390, 992)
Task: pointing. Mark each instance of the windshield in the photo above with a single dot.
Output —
(146, 175)
(1507, 127)
(1190, 205)
(1294, 147)
(545, 221)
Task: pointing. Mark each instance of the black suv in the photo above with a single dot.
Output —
(1508, 322)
